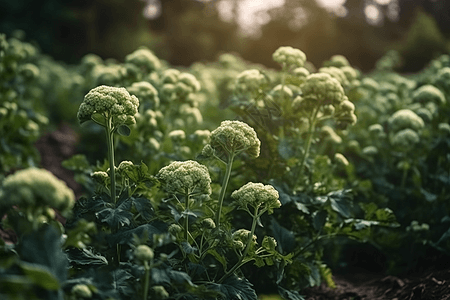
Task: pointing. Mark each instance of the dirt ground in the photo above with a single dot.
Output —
(429, 285)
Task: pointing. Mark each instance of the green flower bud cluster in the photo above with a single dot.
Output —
(331, 135)
(177, 136)
(29, 71)
(428, 93)
(144, 59)
(231, 138)
(283, 91)
(250, 81)
(377, 130)
(444, 128)
(403, 119)
(208, 223)
(442, 79)
(341, 159)
(319, 89)
(36, 188)
(415, 226)
(146, 93)
(108, 74)
(336, 73)
(143, 253)
(345, 112)
(110, 102)
(269, 243)
(258, 196)
(81, 291)
(337, 61)
(176, 85)
(181, 177)
(240, 238)
(290, 57)
(370, 150)
(159, 292)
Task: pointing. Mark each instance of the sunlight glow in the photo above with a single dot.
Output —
(152, 10)
(373, 14)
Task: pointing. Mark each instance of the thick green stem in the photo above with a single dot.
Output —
(146, 279)
(110, 144)
(186, 218)
(312, 124)
(247, 247)
(224, 187)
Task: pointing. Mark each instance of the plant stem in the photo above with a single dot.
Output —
(186, 217)
(146, 280)
(110, 144)
(247, 247)
(312, 124)
(223, 188)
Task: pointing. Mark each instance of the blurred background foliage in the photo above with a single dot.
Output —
(187, 31)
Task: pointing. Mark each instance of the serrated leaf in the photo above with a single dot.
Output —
(144, 207)
(124, 130)
(86, 257)
(126, 236)
(285, 238)
(289, 295)
(236, 288)
(115, 218)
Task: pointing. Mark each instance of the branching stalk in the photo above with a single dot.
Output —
(241, 262)
(224, 187)
(146, 279)
(110, 144)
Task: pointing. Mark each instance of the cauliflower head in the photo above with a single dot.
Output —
(145, 58)
(428, 93)
(258, 196)
(181, 177)
(405, 118)
(110, 102)
(289, 56)
(405, 139)
(34, 187)
(146, 92)
(235, 137)
(323, 88)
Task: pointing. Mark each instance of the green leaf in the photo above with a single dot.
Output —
(289, 295)
(124, 130)
(99, 119)
(40, 275)
(86, 257)
(144, 207)
(44, 247)
(285, 238)
(319, 219)
(236, 288)
(340, 202)
(187, 248)
(126, 236)
(219, 257)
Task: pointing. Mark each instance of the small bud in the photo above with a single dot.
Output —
(81, 290)
(143, 253)
(209, 223)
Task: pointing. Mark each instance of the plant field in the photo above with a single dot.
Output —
(224, 180)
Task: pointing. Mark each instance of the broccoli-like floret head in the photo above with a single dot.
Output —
(370, 84)
(257, 195)
(235, 137)
(145, 92)
(336, 73)
(323, 88)
(108, 75)
(242, 235)
(181, 177)
(34, 187)
(289, 56)
(250, 80)
(337, 61)
(145, 58)
(405, 118)
(110, 102)
(405, 139)
(428, 93)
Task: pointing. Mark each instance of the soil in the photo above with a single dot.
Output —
(431, 284)
(427, 285)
